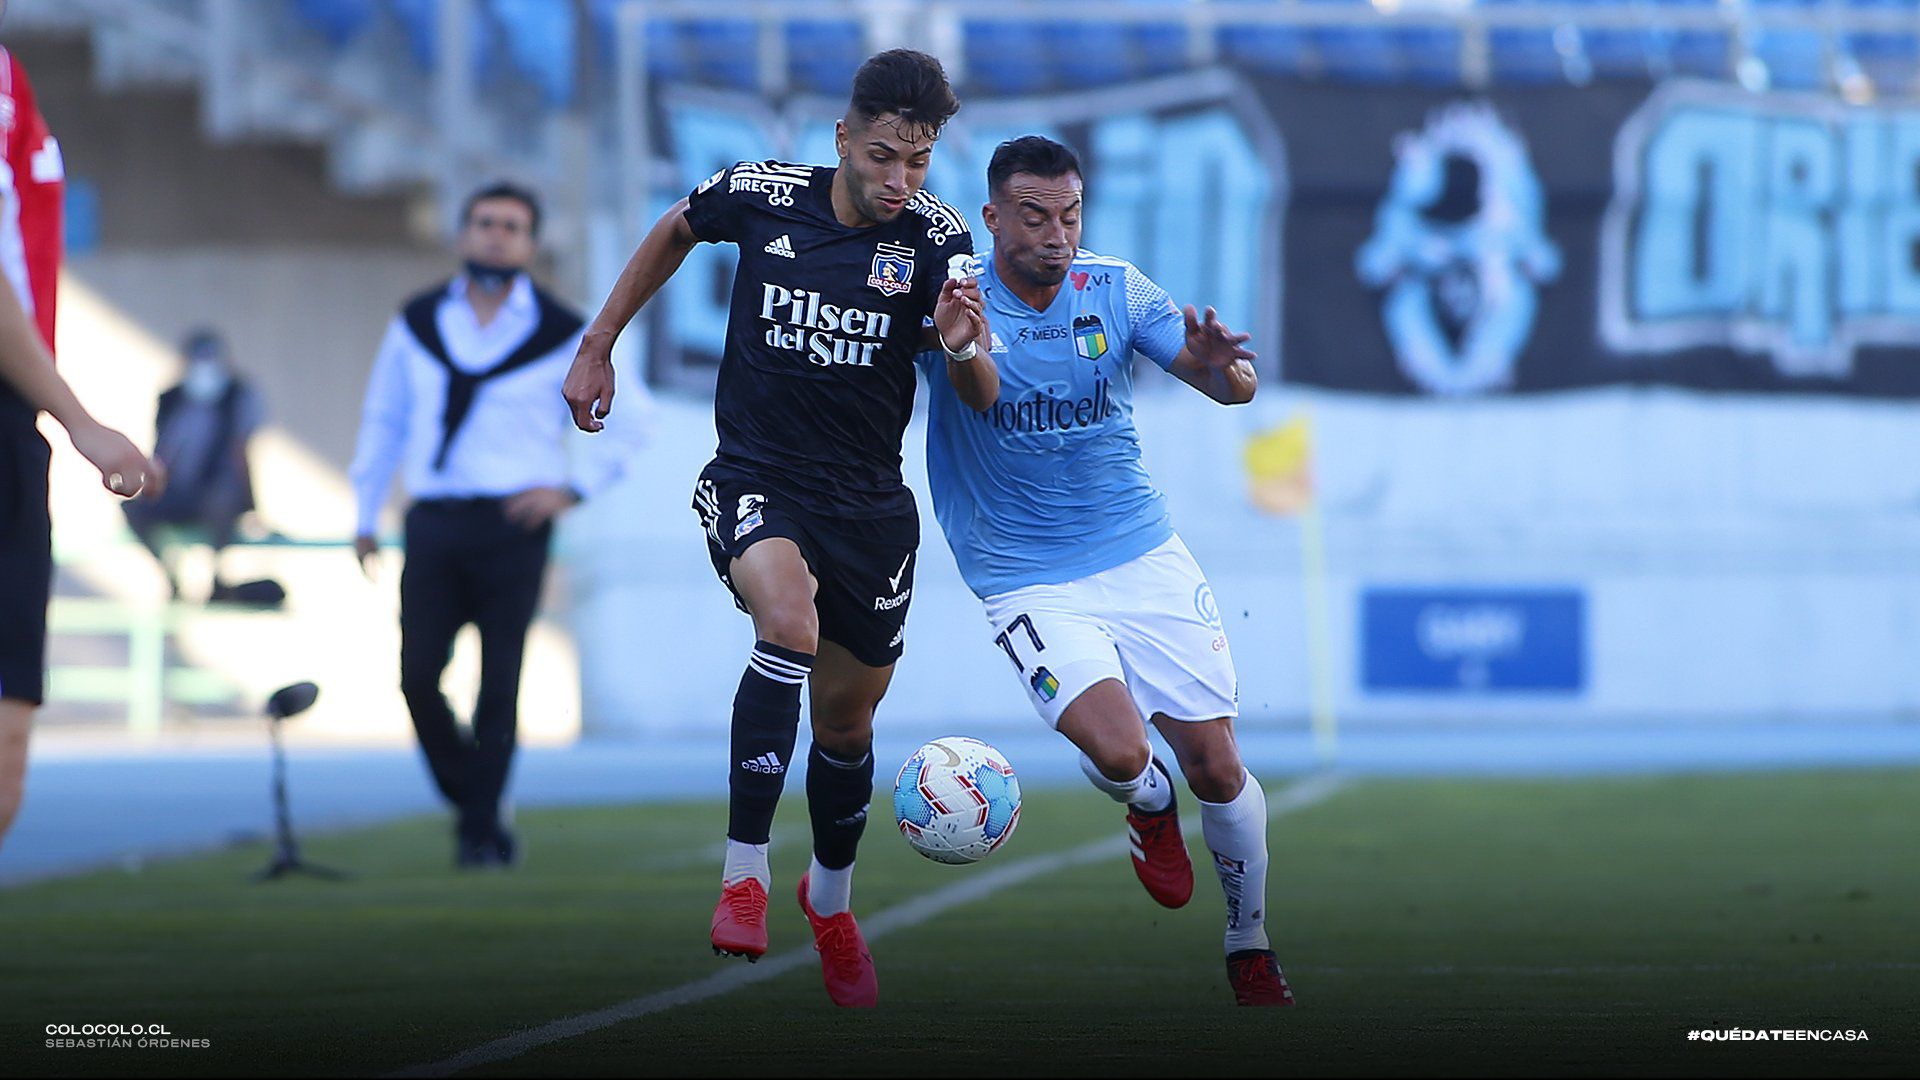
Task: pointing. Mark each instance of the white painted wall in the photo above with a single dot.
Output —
(1742, 557)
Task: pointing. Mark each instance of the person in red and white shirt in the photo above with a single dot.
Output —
(31, 186)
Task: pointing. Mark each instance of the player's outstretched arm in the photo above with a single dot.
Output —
(1216, 361)
(589, 385)
(960, 326)
(24, 363)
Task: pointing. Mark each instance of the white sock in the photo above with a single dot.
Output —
(830, 891)
(1150, 792)
(1236, 834)
(746, 861)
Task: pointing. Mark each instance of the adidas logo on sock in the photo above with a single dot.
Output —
(782, 246)
(768, 763)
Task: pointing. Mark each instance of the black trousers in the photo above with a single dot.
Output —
(466, 563)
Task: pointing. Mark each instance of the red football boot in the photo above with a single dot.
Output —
(1257, 979)
(1160, 852)
(740, 920)
(845, 964)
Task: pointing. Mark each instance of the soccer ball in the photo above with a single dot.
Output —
(956, 800)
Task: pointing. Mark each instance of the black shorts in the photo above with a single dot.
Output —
(26, 562)
(864, 565)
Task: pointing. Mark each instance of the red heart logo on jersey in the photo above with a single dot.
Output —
(1079, 279)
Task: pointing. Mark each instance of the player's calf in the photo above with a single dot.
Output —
(766, 722)
(1236, 836)
(16, 721)
(839, 792)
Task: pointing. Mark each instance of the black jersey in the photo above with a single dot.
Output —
(816, 383)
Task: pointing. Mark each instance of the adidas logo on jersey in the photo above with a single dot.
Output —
(768, 763)
(782, 246)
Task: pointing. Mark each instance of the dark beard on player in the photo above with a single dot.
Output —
(1044, 276)
(872, 210)
(489, 277)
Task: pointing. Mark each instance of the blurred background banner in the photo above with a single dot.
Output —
(1186, 174)
(1418, 240)
(1691, 233)
(1587, 331)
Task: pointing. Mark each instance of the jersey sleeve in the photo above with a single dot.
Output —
(1159, 328)
(945, 234)
(714, 210)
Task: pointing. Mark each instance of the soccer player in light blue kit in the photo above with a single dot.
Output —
(1060, 532)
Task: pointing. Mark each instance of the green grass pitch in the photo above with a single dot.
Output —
(1443, 927)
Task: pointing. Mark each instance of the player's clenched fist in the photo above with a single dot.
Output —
(589, 385)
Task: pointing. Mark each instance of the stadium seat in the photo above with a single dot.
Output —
(1005, 57)
(822, 56)
(1795, 59)
(1268, 49)
(1089, 53)
(541, 39)
(1669, 51)
(667, 51)
(1888, 58)
(1357, 54)
(1430, 54)
(1698, 52)
(1159, 48)
(339, 21)
(1618, 53)
(726, 52)
(420, 21)
(1525, 57)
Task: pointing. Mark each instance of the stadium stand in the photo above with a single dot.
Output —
(1799, 42)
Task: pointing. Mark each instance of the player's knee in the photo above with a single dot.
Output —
(791, 626)
(844, 744)
(843, 721)
(13, 774)
(1215, 777)
(1121, 760)
(13, 750)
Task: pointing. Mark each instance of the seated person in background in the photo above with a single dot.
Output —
(201, 432)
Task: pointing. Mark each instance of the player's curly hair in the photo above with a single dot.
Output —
(910, 84)
(1035, 155)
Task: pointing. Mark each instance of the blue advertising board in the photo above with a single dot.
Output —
(1473, 640)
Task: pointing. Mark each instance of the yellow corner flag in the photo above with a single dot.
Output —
(1280, 467)
(1280, 481)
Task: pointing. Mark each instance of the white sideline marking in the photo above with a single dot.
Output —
(913, 912)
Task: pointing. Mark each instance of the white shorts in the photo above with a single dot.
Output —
(1152, 623)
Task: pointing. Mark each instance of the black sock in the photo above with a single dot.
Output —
(838, 793)
(766, 720)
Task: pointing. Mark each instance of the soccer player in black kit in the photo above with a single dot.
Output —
(806, 516)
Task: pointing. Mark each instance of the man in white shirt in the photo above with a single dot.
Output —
(465, 401)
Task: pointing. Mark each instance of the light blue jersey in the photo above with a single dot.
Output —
(1047, 486)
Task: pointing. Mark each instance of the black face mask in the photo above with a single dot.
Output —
(490, 278)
